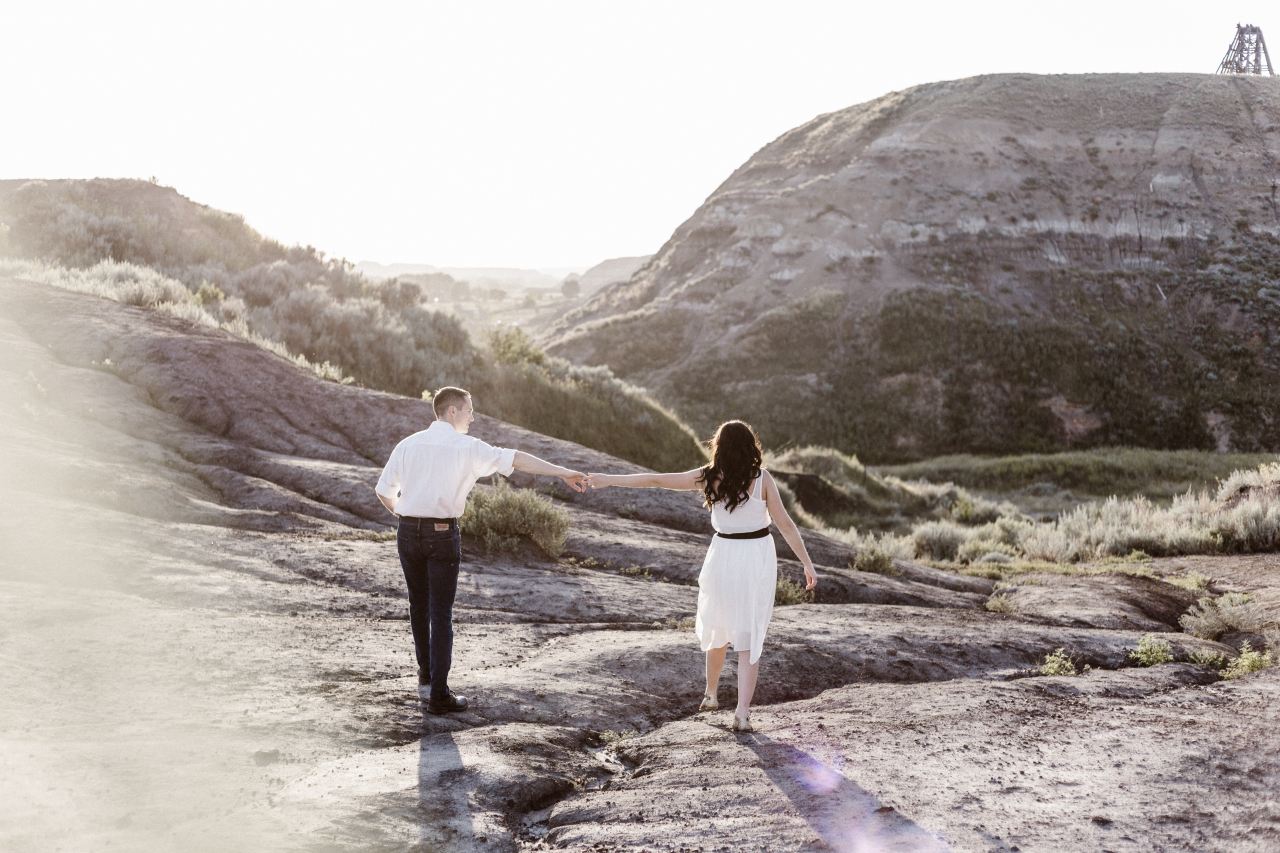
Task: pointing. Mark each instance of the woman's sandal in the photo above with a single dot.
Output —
(742, 724)
(709, 703)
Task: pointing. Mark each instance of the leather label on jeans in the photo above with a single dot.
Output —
(442, 527)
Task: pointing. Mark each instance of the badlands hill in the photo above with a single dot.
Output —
(206, 647)
(611, 271)
(1000, 263)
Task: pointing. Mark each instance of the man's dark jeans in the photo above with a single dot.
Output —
(430, 561)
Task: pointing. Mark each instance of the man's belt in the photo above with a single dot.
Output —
(419, 520)
(754, 534)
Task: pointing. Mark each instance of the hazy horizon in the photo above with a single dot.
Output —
(505, 134)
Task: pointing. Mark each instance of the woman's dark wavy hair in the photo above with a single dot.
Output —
(735, 463)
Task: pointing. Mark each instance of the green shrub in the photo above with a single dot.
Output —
(208, 293)
(999, 604)
(970, 509)
(500, 517)
(790, 592)
(1210, 618)
(1058, 663)
(1151, 650)
(1247, 661)
(939, 540)
(1208, 659)
(873, 560)
(980, 549)
(511, 345)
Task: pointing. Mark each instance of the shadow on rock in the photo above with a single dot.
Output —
(845, 816)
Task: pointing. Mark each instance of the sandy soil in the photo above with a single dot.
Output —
(205, 646)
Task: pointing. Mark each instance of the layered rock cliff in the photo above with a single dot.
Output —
(997, 263)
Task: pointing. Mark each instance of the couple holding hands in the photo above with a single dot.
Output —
(430, 473)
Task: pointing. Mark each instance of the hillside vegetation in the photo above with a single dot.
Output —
(147, 245)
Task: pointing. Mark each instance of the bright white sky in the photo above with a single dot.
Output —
(521, 133)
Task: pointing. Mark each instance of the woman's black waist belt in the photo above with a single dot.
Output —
(754, 534)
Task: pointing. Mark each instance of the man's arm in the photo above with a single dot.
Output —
(531, 464)
(389, 503)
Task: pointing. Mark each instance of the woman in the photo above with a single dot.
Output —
(740, 573)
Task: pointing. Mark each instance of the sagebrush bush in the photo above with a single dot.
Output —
(999, 603)
(985, 551)
(501, 516)
(872, 559)
(1208, 659)
(1151, 650)
(939, 540)
(1247, 661)
(970, 509)
(1210, 618)
(1058, 663)
(789, 592)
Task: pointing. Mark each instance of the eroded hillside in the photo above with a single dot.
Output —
(1001, 263)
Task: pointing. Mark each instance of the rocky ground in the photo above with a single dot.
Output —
(205, 647)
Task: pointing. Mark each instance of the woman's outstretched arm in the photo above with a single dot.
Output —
(686, 481)
(787, 527)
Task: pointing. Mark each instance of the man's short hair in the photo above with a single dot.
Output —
(446, 397)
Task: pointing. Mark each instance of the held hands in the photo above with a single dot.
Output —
(598, 481)
(576, 480)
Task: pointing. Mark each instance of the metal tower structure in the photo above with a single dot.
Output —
(1247, 54)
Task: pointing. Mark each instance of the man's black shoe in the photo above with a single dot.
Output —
(449, 704)
(424, 678)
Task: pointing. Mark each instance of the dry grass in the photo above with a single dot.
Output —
(1242, 515)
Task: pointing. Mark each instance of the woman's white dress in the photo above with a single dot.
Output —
(738, 578)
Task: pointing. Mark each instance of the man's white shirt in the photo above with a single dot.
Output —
(434, 470)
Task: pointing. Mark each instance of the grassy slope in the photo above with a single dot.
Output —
(148, 245)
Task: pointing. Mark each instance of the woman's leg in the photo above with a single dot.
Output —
(715, 663)
(747, 672)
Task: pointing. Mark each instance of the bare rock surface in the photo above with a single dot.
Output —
(205, 646)
(1100, 601)
(1110, 761)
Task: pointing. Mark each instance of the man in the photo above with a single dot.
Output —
(426, 482)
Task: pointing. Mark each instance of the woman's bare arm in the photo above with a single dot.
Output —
(788, 529)
(685, 481)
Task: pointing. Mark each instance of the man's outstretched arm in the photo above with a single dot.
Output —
(389, 503)
(531, 464)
